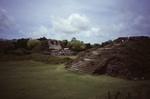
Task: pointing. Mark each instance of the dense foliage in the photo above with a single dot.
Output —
(64, 43)
(76, 45)
(36, 57)
(21, 43)
(5, 47)
(32, 43)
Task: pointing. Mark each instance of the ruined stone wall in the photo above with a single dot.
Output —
(53, 44)
(54, 48)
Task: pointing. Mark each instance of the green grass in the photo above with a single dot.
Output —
(71, 57)
(35, 80)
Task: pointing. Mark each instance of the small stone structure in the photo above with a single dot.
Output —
(55, 49)
(54, 45)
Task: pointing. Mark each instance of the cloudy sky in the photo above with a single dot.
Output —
(91, 21)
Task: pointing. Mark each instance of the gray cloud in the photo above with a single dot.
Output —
(134, 16)
(75, 23)
(6, 21)
(42, 31)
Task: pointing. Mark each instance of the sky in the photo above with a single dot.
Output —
(91, 21)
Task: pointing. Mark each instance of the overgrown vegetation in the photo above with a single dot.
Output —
(5, 46)
(20, 43)
(76, 45)
(36, 57)
(32, 43)
(139, 57)
(19, 52)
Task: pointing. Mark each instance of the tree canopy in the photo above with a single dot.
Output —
(76, 45)
(32, 43)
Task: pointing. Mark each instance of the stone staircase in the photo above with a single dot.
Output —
(87, 63)
(82, 65)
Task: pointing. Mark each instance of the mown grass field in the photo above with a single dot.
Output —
(35, 80)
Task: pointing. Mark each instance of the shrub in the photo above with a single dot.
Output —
(32, 43)
(76, 45)
(15, 52)
(19, 52)
(35, 57)
(24, 51)
(64, 43)
(39, 47)
(6, 46)
(21, 43)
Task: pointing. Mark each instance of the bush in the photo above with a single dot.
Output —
(64, 43)
(15, 52)
(1, 52)
(19, 52)
(21, 43)
(35, 57)
(76, 45)
(32, 43)
(81, 53)
(6, 46)
(39, 47)
(24, 51)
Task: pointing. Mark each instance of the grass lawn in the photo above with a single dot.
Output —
(35, 80)
(72, 57)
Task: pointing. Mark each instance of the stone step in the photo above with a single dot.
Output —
(80, 65)
(83, 68)
(87, 59)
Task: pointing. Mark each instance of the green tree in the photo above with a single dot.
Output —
(32, 43)
(42, 38)
(88, 45)
(96, 45)
(64, 43)
(76, 45)
(106, 43)
(73, 39)
(21, 43)
(5, 46)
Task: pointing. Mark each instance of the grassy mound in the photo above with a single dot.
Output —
(137, 57)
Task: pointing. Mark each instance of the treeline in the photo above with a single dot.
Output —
(77, 45)
(25, 46)
(21, 46)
